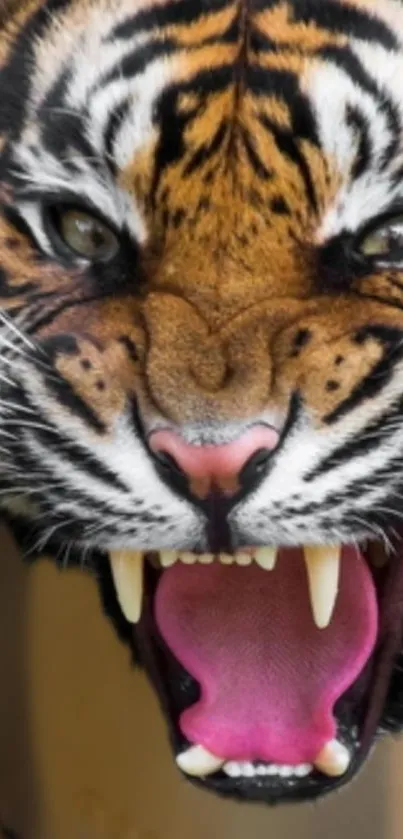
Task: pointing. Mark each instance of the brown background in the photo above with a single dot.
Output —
(83, 751)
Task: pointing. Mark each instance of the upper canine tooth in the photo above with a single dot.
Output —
(266, 558)
(127, 570)
(323, 567)
(198, 761)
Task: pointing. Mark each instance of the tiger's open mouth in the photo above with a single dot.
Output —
(272, 666)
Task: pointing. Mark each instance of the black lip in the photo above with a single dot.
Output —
(157, 660)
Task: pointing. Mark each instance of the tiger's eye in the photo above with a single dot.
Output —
(87, 236)
(384, 242)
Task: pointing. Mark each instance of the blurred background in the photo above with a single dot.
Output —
(83, 748)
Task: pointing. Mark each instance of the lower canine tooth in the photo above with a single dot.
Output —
(127, 571)
(333, 760)
(198, 761)
(323, 567)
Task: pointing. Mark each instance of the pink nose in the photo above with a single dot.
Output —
(215, 466)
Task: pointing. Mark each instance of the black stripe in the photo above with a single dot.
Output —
(380, 477)
(338, 18)
(16, 74)
(379, 430)
(46, 318)
(395, 283)
(136, 62)
(344, 58)
(9, 290)
(284, 85)
(75, 454)
(67, 396)
(356, 120)
(171, 123)
(381, 373)
(288, 146)
(261, 41)
(206, 152)
(64, 130)
(389, 302)
(182, 12)
(255, 161)
(113, 125)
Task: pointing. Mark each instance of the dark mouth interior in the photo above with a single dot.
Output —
(360, 712)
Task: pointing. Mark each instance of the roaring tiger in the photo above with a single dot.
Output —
(201, 358)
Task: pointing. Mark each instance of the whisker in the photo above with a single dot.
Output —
(8, 381)
(20, 335)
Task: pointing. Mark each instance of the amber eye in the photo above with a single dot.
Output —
(84, 234)
(384, 243)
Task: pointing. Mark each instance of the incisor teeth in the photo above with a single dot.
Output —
(168, 558)
(127, 571)
(266, 558)
(198, 761)
(243, 558)
(323, 567)
(333, 760)
(187, 557)
(226, 559)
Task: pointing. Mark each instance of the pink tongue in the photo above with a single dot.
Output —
(268, 677)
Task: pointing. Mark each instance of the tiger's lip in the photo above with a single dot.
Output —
(176, 690)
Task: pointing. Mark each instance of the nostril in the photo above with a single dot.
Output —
(255, 466)
(168, 463)
(226, 467)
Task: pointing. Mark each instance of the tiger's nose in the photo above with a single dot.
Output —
(227, 467)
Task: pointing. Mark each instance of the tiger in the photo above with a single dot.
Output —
(201, 359)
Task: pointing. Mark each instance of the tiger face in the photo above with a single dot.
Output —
(201, 363)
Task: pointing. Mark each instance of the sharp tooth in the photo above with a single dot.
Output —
(168, 558)
(127, 570)
(206, 559)
(198, 761)
(333, 760)
(225, 559)
(323, 567)
(243, 558)
(266, 558)
(187, 557)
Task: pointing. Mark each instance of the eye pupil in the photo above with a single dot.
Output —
(83, 234)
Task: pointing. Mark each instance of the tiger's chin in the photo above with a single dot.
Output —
(276, 669)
